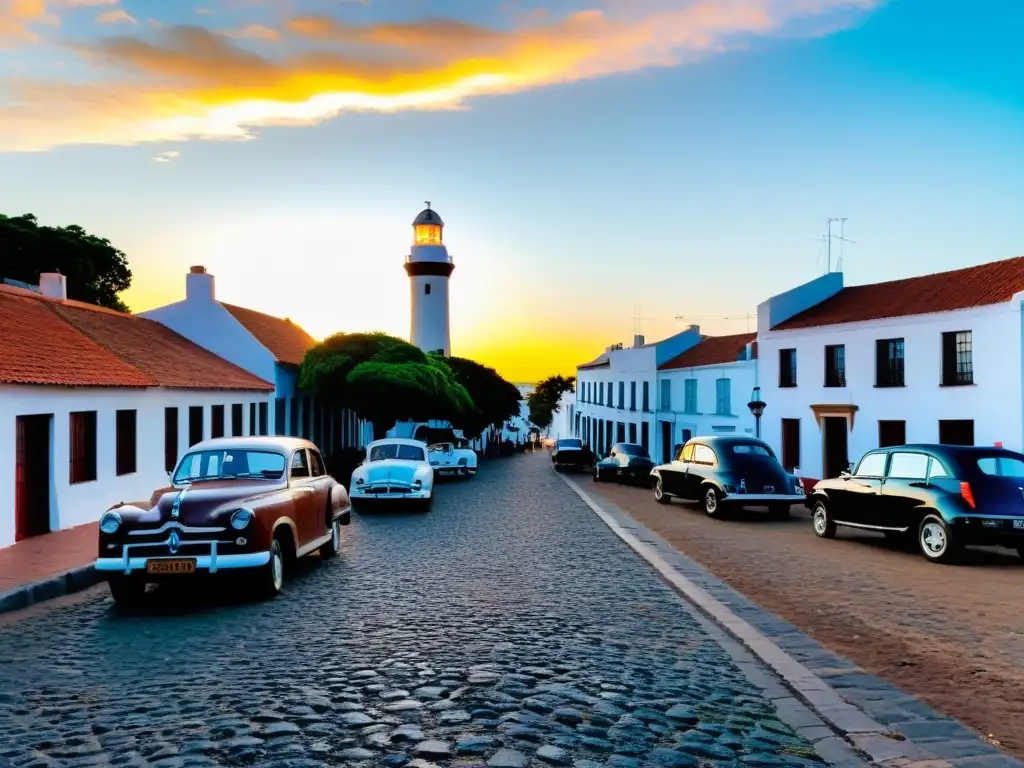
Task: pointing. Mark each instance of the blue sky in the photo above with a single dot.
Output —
(619, 163)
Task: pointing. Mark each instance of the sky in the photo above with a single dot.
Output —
(603, 166)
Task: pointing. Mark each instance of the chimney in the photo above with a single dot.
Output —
(638, 340)
(54, 285)
(199, 285)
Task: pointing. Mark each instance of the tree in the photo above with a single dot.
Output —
(494, 398)
(543, 401)
(96, 271)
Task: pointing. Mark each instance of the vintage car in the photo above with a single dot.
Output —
(627, 462)
(728, 471)
(940, 497)
(395, 468)
(571, 453)
(452, 459)
(245, 505)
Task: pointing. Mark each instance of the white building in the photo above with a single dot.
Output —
(705, 391)
(932, 359)
(96, 407)
(429, 268)
(270, 348)
(615, 393)
(563, 421)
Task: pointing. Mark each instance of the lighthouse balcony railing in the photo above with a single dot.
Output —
(447, 259)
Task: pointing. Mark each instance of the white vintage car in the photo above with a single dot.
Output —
(395, 468)
(449, 459)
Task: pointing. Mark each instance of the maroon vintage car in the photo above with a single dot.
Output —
(242, 505)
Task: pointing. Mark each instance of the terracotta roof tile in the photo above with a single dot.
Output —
(286, 341)
(711, 350)
(978, 286)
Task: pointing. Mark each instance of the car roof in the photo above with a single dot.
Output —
(942, 448)
(276, 443)
(398, 441)
(725, 439)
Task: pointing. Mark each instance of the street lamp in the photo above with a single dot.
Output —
(756, 406)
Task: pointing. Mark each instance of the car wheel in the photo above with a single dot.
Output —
(712, 508)
(936, 540)
(271, 579)
(127, 591)
(824, 526)
(1020, 552)
(659, 493)
(332, 547)
(778, 511)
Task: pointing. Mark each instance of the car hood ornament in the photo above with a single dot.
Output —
(174, 542)
(176, 506)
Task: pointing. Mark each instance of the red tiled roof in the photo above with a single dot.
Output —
(711, 350)
(978, 286)
(53, 342)
(286, 341)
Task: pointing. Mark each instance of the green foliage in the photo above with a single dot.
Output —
(96, 271)
(543, 401)
(495, 400)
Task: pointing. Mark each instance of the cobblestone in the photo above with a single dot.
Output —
(516, 634)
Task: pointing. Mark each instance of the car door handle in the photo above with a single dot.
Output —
(305, 489)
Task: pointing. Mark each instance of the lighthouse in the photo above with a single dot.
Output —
(429, 266)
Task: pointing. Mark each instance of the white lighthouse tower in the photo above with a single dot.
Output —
(429, 266)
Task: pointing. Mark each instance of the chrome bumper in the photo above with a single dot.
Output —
(210, 563)
(364, 496)
(765, 498)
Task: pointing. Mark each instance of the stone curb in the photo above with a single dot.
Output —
(879, 744)
(74, 580)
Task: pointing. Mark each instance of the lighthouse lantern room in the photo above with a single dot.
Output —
(429, 268)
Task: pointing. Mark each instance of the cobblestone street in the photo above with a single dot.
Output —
(508, 627)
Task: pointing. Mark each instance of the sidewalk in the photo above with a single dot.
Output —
(45, 567)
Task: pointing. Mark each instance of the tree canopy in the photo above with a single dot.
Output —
(543, 401)
(495, 400)
(96, 271)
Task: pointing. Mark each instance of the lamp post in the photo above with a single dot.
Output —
(756, 406)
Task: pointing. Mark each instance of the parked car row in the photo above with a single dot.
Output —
(940, 498)
(249, 506)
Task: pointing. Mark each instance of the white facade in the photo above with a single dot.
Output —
(429, 268)
(921, 409)
(75, 504)
(564, 419)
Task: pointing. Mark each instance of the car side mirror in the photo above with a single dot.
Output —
(845, 474)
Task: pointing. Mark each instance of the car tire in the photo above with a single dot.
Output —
(822, 522)
(778, 511)
(711, 502)
(936, 541)
(659, 493)
(1020, 552)
(332, 547)
(127, 591)
(271, 577)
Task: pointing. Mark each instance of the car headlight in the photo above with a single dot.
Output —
(241, 518)
(417, 484)
(110, 522)
(359, 481)
(463, 461)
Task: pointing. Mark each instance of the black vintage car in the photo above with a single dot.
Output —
(572, 454)
(627, 462)
(942, 497)
(728, 471)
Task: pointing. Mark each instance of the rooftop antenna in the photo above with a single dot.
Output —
(840, 237)
(428, 204)
(747, 317)
(637, 319)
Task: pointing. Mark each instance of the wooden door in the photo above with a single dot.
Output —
(32, 476)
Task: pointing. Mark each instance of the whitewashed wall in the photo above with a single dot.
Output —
(72, 505)
(562, 420)
(994, 402)
(637, 364)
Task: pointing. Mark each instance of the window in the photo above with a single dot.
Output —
(723, 396)
(647, 396)
(316, 464)
(195, 424)
(569, 443)
(83, 447)
(170, 438)
(307, 418)
(956, 432)
(127, 436)
(685, 452)
(622, 394)
(300, 464)
(620, 432)
(216, 421)
(632, 395)
(632, 433)
(280, 416)
(1002, 466)
(666, 395)
(835, 365)
(892, 433)
(237, 420)
(610, 395)
(791, 444)
(787, 367)
(600, 393)
(690, 395)
(957, 359)
(908, 466)
(252, 419)
(889, 363)
(426, 289)
(264, 413)
(398, 451)
(293, 417)
(752, 449)
(645, 435)
(703, 455)
(229, 463)
(872, 465)
(936, 469)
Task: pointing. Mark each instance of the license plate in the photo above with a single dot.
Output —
(184, 565)
(769, 489)
(1018, 524)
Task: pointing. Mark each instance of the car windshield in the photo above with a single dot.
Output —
(751, 449)
(396, 451)
(1002, 466)
(570, 443)
(634, 450)
(228, 464)
(440, 448)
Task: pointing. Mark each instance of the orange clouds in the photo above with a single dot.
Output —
(189, 82)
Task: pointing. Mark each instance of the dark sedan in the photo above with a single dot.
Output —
(722, 472)
(572, 454)
(943, 497)
(627, 462)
